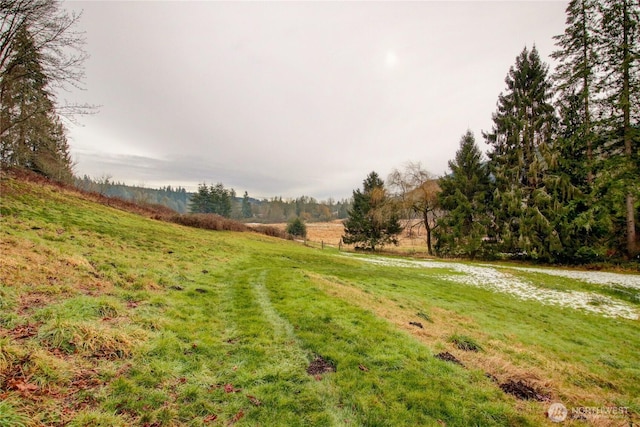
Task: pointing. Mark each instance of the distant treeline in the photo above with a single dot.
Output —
(306, 208)
(176, 198)
(222, 201)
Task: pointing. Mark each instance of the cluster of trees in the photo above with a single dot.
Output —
(562, 178)
(223, 201)
(306, 208)
(214, 199)
(39, 53)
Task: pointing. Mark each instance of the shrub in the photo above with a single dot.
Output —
(208, 222)
(269, 230)
(296, 227)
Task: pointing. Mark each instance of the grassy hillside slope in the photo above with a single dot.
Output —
(112, 319)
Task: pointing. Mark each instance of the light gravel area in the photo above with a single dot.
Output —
(492, 278)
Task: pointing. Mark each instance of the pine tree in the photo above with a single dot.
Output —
(372, 220)
(573, 160)
(246, 206)
(575, 75)
(220, 200)
(524, 126)
(465, 195)
(620, 111)
(31, 133)
(200, 201)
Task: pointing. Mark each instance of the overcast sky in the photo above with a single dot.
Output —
(293, 98)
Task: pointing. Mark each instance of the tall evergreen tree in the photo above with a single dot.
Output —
(200, 201)
(574, 158)
(575, 80)
(465, 195)
(32, 135)
(579, 220)
(246, 206)
(524, 125)
(372, 220)
(220, 200)
(620, 110)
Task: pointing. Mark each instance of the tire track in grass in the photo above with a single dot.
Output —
(266, 363)
(293, 348)
(383, 376)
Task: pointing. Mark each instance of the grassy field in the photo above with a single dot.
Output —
(111, 319)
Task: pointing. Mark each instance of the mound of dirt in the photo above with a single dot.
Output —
(523, 391)
(320, 366)
(448, 357)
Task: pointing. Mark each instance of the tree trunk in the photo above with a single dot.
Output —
(632, 250)
(427, 227)
(626, 111)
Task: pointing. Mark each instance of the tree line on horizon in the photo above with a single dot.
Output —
(561, 181)
(220, 200)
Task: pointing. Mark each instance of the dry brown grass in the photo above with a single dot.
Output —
(42, 276)
(330, 234)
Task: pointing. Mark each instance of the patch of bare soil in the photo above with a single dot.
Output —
(320, 366)
(24, 331)
(523, 391)
(448, 357)
(14, 379)
(31, 301)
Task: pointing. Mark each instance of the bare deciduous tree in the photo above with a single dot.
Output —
(416, 190)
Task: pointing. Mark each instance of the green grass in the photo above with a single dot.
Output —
(10, 417)
(108, 318)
